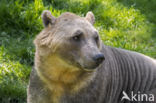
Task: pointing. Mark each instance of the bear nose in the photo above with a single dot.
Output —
(98, 58)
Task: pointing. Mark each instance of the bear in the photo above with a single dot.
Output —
(72, 65)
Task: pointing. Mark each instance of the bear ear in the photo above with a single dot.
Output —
(47, 18)
(90, 17)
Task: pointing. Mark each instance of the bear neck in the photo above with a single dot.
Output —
(60, 77)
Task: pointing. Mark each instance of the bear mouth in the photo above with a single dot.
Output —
(81, 67)
(85, 68)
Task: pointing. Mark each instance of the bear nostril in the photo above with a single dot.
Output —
(98, 58)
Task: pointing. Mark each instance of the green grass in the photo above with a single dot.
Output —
(128, 24)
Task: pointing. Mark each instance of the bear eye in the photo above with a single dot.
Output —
(76, 38)
(96, 39)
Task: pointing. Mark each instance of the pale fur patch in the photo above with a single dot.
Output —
(60, 76)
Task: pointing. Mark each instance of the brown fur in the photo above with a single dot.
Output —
(61, 77)
(69, 66)
(58, 75)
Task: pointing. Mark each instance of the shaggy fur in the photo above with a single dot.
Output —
(64, 71)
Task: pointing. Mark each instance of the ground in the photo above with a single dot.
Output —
(121, 23)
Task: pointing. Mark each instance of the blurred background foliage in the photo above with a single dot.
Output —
(128, 24)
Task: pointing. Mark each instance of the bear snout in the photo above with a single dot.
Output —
(98, 58)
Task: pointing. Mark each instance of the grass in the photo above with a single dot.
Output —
(122, 23)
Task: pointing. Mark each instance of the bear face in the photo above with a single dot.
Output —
(68, 50)
(72, 39)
